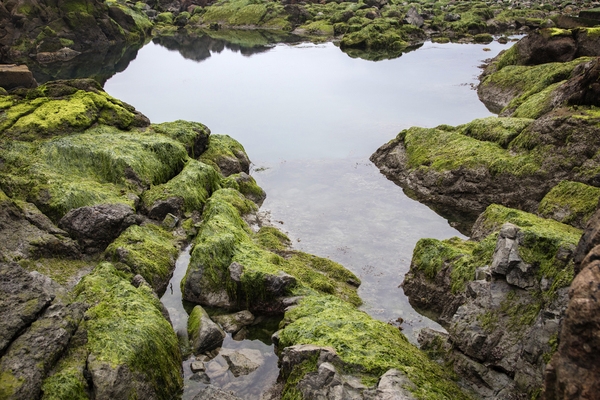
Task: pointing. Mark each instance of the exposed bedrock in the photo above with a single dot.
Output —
(504, 295)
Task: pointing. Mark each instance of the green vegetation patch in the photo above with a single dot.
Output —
(146, 250)
(496, 130)
(449, 149)
(246, 185)
(463, 256)
(60, 270)
(185, 132)
(570, 203)
(194, 184)
(67, 380)
(224, 238)
(537, 104)
(366, 346)
(125, 327)
(244, 13)
(221, 147)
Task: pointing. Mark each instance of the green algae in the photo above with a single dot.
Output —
(496, 130)
(537, 104)
(272, 239)
(443, 150)
(194, 184)
(59, 269)
(246, 185)
(463, 256)
(244, 13)
(221, 147)
(9, 384)
(146, 250)
(186, 132)
(366, 346)
(570, 202)
(67, 381)
(125, 327)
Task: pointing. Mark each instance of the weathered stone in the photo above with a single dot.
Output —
(413, 17)
(170, 222)
(96, 226)
(232, 323)
(204, 334)
(197, 366)
(161, 208)
(200, 377)
(213, 393)
(13, 76)
(64, 54)
(242, 361)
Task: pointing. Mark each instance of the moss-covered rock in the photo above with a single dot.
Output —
(186, 192)
(571, 203)
(148, 251)
(226, 154)
(193, 135)
(367, 347)
(130, 348)
(246, 185)
(228, 268)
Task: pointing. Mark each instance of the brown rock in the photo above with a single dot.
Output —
(13, 76)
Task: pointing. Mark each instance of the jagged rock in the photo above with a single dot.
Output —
(204, 334)
(170, 222)
(413, 17)
(232, 323)
(31, 356)
(508, 262)
(13, 76)
(161, 208)
(574, 371)
(64, 54)
(242, 361)
(211, 392)
(394, 385)
(197, 366)
(27, 233)
(96, 226)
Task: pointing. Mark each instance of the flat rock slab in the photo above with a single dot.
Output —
(242, 361)
(213, 393)
(13, 76)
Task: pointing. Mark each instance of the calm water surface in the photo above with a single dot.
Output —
(309, 117)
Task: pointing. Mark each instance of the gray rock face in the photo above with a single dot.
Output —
(96, 226)
(232, 323)
(30, 357)
(161, 208)
(232, 165)
(413, 18)
(27, 233)
(207, 335)
(213, 393)
(117, 382)
(508, 262)
(242, 361)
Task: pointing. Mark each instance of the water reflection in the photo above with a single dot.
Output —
(99, 65)
(199, 46)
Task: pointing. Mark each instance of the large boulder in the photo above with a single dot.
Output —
(95, 227)
(204, 334)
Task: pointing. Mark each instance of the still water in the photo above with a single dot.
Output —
(309, 117)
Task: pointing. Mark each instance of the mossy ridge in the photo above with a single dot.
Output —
(368, 347)
(448, 149)
(220, 147)
(146, 250)
(299, 371)
(194, 184)
(185, 132)
(247, 186)
(493, 129)
(66, 380)
(224, 238)
(245, 13)
(125, 327)
(570, 203)
(537, 104)
(463, 256)
(42, 115)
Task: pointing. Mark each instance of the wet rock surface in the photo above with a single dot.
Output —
(205, 335)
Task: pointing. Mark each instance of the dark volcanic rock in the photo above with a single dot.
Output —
(574, 371)
(96, 226)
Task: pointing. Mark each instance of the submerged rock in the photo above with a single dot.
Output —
(242, 361)
(211, 392)
(233, 323)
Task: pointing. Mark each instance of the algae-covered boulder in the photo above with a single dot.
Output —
(193, 135)
(226, 154)
(507, 291)
(147, 250)
(204, 334)
(229, 267)
(347, 341)
(246, 185)
(186, 192)
(571, 203)
(127, 347)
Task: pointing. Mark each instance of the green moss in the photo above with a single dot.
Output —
(246, 13)
(125, 327)
(193, 324)
(66, 42)
(60, 270)
(366, 346)
(272, 239)
(443, 150)
(376, 35)
(221, 147)
(320, 27)
(488, 321)
(570, 202)
(9, 384)
(246, 185)
(432, 255)
(484, 38)
(164, 18)
(290, 392)
(520, 314)
(494, 129)
(185, 132)
(194, 184)
(537, 104)
(67, 380)
(147, 250)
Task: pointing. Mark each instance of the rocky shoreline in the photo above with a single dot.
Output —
(529, 176)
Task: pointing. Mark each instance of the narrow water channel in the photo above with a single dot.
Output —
(309, 117)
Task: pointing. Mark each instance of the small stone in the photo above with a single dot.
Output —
(170, 222)
(200, 377)
(197, 366)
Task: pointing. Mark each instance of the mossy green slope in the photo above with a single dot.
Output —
(571, 203)
(146, 250)
(368, 347)
(125, 328)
